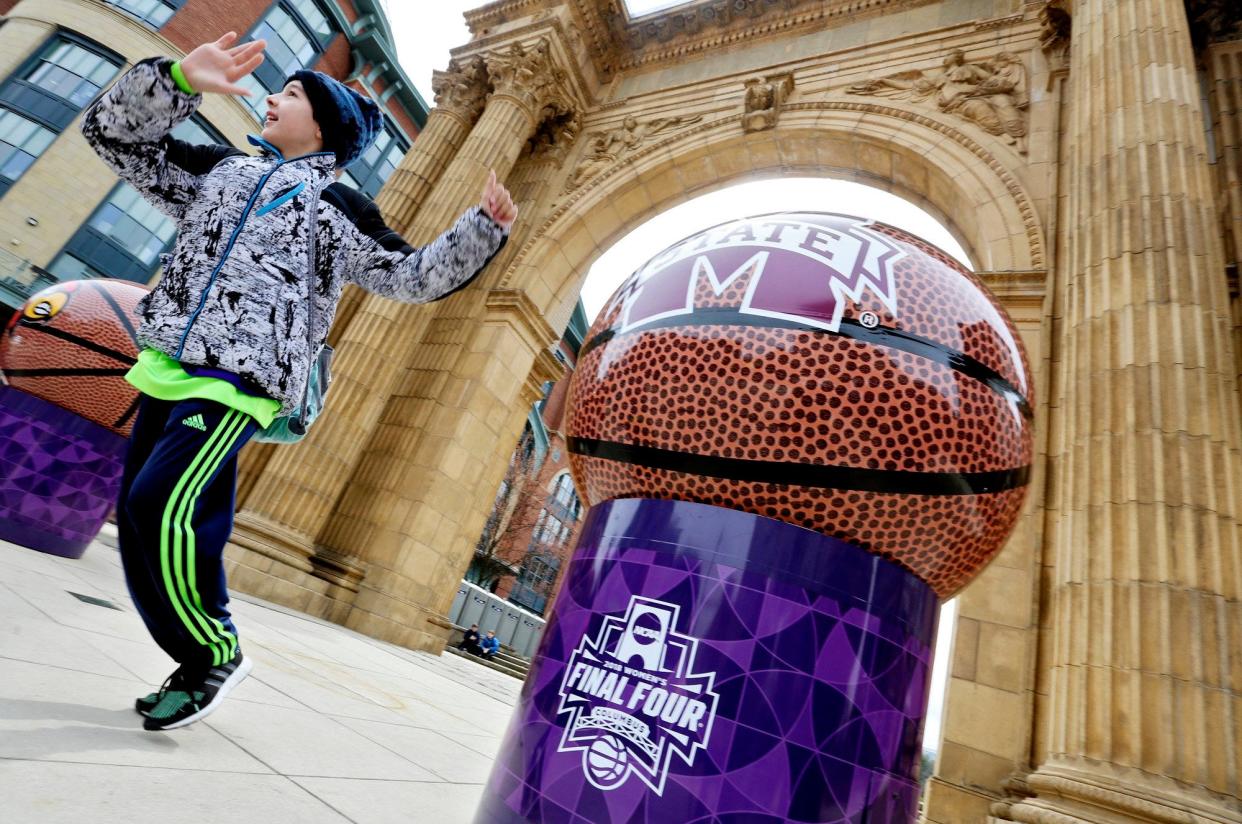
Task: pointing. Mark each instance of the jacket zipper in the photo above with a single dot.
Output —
(202, 300)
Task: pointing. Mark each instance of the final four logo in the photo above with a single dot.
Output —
(634, 699)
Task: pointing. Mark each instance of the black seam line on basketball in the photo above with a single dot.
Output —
(129, 412)
(879, 336)
(65, 373)
(83, 342)
(120, 313)
(855, 479)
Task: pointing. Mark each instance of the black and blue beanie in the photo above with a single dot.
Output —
(349, 121)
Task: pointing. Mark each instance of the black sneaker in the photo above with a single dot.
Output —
(196, 696)
(145, 704)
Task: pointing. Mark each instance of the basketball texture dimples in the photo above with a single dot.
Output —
(854, 380)
(72, 343)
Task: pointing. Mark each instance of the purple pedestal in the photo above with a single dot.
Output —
(708, 665)
(59, 475)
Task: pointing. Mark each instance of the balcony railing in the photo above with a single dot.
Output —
(19, 279)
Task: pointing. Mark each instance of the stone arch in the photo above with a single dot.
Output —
(971, 189)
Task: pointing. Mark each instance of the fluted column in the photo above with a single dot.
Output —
(1146, 684)
(417, 480)
(287, 504)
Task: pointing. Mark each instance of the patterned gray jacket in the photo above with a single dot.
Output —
(233, 295)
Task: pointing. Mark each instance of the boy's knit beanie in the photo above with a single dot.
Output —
(348, 121)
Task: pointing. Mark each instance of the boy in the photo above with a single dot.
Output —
(490, 645)
(470, 640)
(224, 333)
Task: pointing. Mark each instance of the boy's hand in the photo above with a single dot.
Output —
(214, 67)
(497, 203)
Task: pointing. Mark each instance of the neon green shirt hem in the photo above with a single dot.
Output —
(161, 377)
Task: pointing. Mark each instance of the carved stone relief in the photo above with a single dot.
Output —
(1214, 21)
(607, 148)
(555, 134)
(991, 94)
(764, 97)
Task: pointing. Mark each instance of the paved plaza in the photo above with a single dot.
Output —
(331, 726)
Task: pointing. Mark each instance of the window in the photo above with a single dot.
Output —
(198, 132)
(564, 493)
(21, 143)
(124, 238)
(40, 99)
(126, 235)
(152, 12)
(296, 32)
(534, 583)
(377, 163)
(563, 499)
(71, 72)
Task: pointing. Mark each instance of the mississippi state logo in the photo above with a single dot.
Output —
(806, 267)
(633, 698)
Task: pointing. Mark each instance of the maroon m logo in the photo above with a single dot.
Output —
(804, 270)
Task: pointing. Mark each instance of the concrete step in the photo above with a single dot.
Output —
(496, 663)
(506, 659)
(513, 660)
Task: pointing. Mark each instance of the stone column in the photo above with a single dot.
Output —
(1224, 69)
(417, 481)
(286, 505)
(1146, 674)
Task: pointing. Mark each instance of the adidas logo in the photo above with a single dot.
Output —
(195, 422)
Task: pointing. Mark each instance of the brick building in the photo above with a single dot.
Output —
(63, 214)
(537, 512)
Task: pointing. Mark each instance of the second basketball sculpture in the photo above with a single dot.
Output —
(798, 434)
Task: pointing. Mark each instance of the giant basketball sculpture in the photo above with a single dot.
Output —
(798, 434)
(66, 412)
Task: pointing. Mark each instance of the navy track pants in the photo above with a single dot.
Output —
(174, 518)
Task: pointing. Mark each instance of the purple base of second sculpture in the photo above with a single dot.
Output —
(59, 475)
(708, 665)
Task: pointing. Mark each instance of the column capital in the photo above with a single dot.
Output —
(529, 75)
(462, 89)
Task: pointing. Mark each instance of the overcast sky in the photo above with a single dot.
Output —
(426, 31)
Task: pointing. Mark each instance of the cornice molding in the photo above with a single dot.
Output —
(689, 30)
(514, 308)
(1027, 286)
(616, 42)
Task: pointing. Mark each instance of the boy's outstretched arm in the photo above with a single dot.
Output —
(128, 125)
(381, 262)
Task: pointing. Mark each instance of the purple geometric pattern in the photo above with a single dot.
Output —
(820, 653)
(59, 475)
